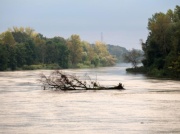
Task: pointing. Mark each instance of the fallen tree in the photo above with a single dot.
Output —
(59, 80)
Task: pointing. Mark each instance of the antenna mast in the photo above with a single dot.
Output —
(101, 36)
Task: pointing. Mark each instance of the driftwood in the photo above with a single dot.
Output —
(61, 81)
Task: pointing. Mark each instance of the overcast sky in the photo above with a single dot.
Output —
(121, 22)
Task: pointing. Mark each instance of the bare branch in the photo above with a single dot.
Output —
(60, 81)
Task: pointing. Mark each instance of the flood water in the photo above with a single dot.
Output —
(147, 106)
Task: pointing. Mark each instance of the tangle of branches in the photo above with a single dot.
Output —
(61, 81)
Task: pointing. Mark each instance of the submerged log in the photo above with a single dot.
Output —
(120, 86)
(60, 81)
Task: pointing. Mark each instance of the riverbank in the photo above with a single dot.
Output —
(53, 67)
(155, 73)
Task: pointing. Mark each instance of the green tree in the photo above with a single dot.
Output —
(117, 51)
(20, 37)
(103, 55)
(20, 54)
(162, 47)
(3, 57)
(159, 26)
(133, 56)
(75, 49)
(12, 58)
(63, 53)
(7, 38)
(30, 52)
(41, 48)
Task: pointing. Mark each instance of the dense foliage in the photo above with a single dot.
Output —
(134, 57)
(23, 48)
(162, 47)
(117, 51)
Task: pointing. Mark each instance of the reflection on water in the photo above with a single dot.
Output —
(146, 106)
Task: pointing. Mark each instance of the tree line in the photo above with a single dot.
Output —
(162, 47)
(23, 48)
(117, 51)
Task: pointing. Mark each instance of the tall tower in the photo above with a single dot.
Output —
(101, 36)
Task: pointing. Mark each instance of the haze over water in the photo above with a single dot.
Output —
(146, 106)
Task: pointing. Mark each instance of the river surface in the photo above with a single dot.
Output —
(147, 106)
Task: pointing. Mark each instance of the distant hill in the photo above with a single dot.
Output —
(117, 51)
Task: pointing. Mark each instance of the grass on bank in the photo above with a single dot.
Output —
(40, 66)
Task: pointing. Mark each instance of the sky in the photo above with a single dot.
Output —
(116, 22)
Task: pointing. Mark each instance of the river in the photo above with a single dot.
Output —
(147, 106)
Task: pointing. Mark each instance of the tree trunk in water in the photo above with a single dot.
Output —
(65, 82)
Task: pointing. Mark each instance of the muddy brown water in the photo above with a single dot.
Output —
(146, 106)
